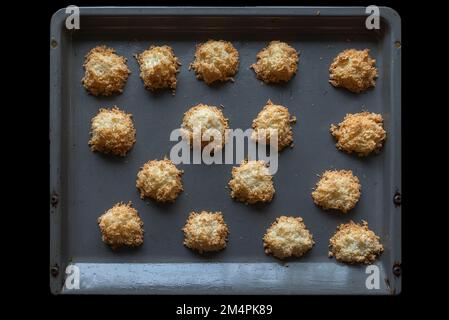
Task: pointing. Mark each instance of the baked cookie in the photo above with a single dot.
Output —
(158, 68)
(159, 180)
(121, 226)
(106, 72)
(201, 118)
(277, 62)
(355, 243)
(215, 61)
(251, 182)
(112, 131)
(273, 118)
(205, 231)
(338, 190)
(361, 133)
(354, 70)
(287, 237)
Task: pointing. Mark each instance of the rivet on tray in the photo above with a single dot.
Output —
(397, 198)
(54, 271)
(397, 269)
(53, 43)
(54, 199)
(397, 44)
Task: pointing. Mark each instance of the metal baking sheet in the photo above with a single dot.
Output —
(85, 184)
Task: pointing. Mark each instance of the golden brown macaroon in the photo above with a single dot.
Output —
(215, 61)
(355, 243)
(287, 237)
(354, 70)
(159, 180)
(338, 190)
(273, 118)
(121, 226)
(200, 118)
(205, 231)
(361, 133)
(105, 72)
(277, 62)
(112, 131)
(158, 68)
(252, 182)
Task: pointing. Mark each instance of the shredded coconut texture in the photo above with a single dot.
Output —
(361, 133)
(273, 118)
(200, 118)
(112, 131)
(205, 231)
(338, 190)
(287, 237)
(159, 180)
(251, 182)
(121, 226)
(355, 243)
(106, 72)
(354, 70)
(158, 68)
(215, 61)
(277, 62)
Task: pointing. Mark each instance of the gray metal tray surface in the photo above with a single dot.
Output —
(85, 184)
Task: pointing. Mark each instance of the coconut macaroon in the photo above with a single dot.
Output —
(277, 62)
(121, 226)
(354, 70)
(361, 133)
(215, 61)
(112, 131)
(205, 231)
(273, 118)
(106, 72)
(201, 118)
(159, 180)
(355, 243)
(158, 68)
(338, 190)
(252, 182)
(287, 237)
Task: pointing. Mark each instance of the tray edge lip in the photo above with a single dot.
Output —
(390, 13)
(55, 148)
(393, 19)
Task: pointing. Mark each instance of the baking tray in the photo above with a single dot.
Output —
(85, 184)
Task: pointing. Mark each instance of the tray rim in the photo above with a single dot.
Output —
(389, 15)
